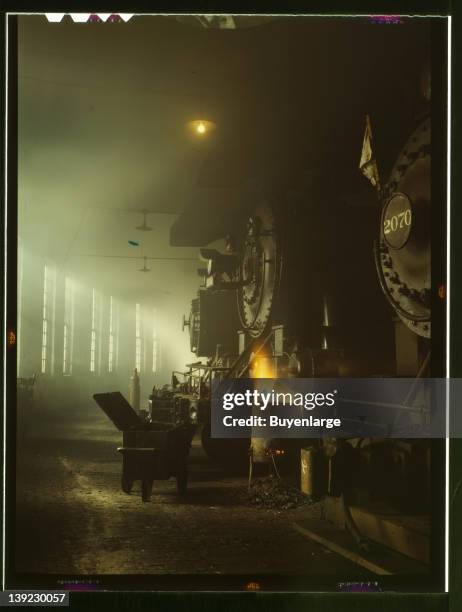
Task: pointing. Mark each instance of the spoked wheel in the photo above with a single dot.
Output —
(127, 484)
(146, 490)
(259, 270)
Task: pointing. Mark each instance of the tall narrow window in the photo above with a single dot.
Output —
(68, 332)
(144, 334)
(45, 316)
(19, 311)
(94, 331)
(52, 298)
(116, 334)
(65, 349)
(154, 341)
(99, 335)
(111, 335)
(138, 338)
(48, 319)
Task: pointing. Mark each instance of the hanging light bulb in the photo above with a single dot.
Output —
(201, 127)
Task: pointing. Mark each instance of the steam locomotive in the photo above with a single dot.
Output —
(313, 269)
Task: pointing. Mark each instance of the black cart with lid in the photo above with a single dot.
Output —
(151, 450)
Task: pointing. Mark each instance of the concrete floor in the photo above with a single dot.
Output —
(72, 518)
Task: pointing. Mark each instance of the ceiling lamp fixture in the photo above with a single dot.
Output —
(144, 227)
(145, 267)
(201, 127)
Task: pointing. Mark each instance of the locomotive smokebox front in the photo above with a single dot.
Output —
(403, 251)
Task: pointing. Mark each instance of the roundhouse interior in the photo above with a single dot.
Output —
(187, 188)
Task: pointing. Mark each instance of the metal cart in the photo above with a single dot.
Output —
(151, 450)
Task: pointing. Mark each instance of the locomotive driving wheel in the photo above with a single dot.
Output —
(403, 251)
(259, 270)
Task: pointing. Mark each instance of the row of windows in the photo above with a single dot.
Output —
(96, 350)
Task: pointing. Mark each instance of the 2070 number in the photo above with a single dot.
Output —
(399, 221)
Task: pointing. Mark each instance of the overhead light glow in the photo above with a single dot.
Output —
(201, 127)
